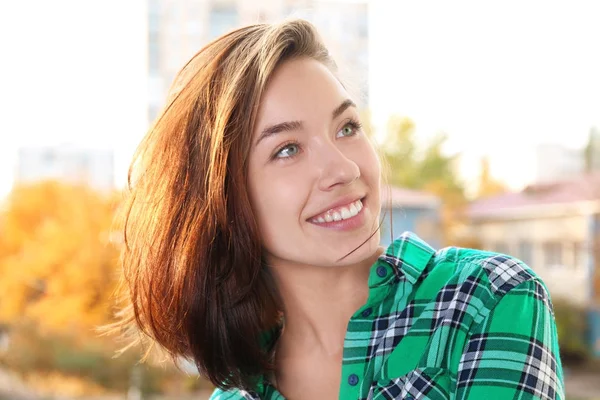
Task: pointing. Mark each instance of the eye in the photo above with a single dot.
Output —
(349, 129)
(287, 151)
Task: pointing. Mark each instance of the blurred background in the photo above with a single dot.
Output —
(488, 115)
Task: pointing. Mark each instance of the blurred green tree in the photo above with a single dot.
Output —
(426, 168)
(591, 152)
(573, 330)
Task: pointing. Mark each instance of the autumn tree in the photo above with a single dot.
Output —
(488, 186)
(57, 263)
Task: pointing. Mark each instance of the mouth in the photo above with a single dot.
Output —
(339, 213)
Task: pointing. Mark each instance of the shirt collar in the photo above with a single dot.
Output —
(408, 255)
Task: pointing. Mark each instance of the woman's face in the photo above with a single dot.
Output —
(313, 175)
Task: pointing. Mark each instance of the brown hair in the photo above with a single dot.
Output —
(194, 275)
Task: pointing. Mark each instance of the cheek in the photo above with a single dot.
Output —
(277, 201)
(279, 198)
(369, 163)
(370, 167)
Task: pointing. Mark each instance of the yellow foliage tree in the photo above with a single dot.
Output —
(57, 263)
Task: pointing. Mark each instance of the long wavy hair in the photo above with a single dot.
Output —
(194, 277)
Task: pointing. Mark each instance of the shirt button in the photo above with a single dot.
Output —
(367, 312)
(353, 379)
(381, 271)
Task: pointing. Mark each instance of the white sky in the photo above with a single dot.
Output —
(497, 77)
(72, 71)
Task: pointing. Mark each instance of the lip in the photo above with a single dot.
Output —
(343, 201)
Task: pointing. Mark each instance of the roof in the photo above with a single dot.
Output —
(559, 196)
(402, 197)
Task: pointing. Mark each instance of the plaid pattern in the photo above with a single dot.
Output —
(452, 324)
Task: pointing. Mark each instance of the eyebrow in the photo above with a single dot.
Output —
(297, 125)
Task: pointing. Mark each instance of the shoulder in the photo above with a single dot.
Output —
(500, 272)
(481, 276)
(507, 315)
(484, 277)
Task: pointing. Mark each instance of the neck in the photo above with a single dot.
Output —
(318, 303)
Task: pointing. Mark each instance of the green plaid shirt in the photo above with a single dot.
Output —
(452, 324)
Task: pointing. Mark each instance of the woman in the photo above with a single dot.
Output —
(253, 248)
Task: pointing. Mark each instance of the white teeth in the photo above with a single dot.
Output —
(345, 213)
(340, 214)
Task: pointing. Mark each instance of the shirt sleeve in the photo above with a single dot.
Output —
(513, 352)
(238, 394)
(219, 394)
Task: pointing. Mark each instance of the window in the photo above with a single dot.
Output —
(153, 35)
(362, 24)
(525, 252)
(153, 52)
(222, 20)
(552, 254)
(578, 255)
(49, 158)
(193, 28)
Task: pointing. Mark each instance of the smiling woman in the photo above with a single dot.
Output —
(252, 248)
(312, 172)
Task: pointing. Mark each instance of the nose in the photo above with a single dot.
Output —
(336, 168)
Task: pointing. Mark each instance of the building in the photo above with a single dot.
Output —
(177, 29)
(555, 229)
(410, 210)
(67, 163)
(558, 162)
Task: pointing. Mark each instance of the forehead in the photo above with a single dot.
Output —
(300, 89)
